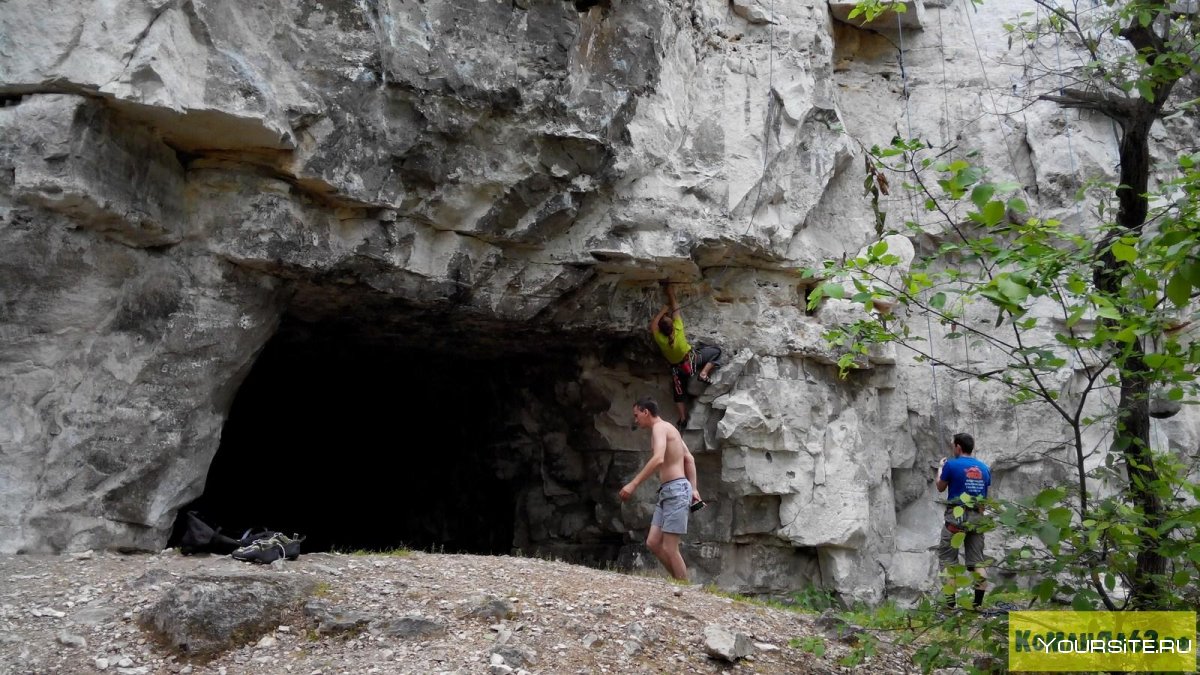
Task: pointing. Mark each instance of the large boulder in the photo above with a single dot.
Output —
(203, 614)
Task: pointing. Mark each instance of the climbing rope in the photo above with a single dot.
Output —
(937, 406)
(987, 85)
(945, 84)
(1011, 162)
(904, 81)
(1066, 121)
(945, 143)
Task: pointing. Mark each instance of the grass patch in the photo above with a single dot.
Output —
(398, 552)
(816, 599)
(813, 644)
(887, 616)
(809, 601)
(712, 589)
(939, 637)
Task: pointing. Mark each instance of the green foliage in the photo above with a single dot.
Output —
(1013, 262)
(886, 616)
(865, 649)
(815, 599)
(1113, 305)
(1082, 558)
(813, 644)
(1017, 261)
(870, 10)
(938, 637)
(1078, 548)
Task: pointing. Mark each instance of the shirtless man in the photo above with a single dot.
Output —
(676, 469)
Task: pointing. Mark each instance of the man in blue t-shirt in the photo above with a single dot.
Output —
(964, 475)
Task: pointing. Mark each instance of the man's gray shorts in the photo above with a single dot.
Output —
(671, 512)
(972, 544)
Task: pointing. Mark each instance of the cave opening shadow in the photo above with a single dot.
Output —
(363, 447)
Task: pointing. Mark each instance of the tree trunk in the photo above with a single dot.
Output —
(1132, 432)
(1133, 438)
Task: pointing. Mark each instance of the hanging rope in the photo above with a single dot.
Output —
(987, 84)
(904, 78)
(1012, 166)
(946, 142)
(945, 85)
(937, 406)
(1066, 121)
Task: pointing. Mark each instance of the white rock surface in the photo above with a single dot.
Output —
(725, 644)
(175, 177)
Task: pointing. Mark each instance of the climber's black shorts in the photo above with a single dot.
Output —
(681, 373)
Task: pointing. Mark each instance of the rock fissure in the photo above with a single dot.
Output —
(136, 43)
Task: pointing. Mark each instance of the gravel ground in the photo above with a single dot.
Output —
(79, 614)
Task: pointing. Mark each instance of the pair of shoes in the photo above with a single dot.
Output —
(682, 423)
(270, 549)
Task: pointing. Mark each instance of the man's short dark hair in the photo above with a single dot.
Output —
(648, 404)
(966, 442)
(666, 326)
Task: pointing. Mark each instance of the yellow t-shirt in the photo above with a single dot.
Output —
(674, 351)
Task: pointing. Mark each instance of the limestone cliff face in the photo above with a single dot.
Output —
(178, 177)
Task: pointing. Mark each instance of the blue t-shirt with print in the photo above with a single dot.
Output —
(966, 475)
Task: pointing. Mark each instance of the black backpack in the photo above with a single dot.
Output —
(199, 537)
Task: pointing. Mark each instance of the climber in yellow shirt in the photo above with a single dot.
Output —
(667, 330)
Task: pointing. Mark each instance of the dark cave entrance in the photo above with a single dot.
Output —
(370, 444)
